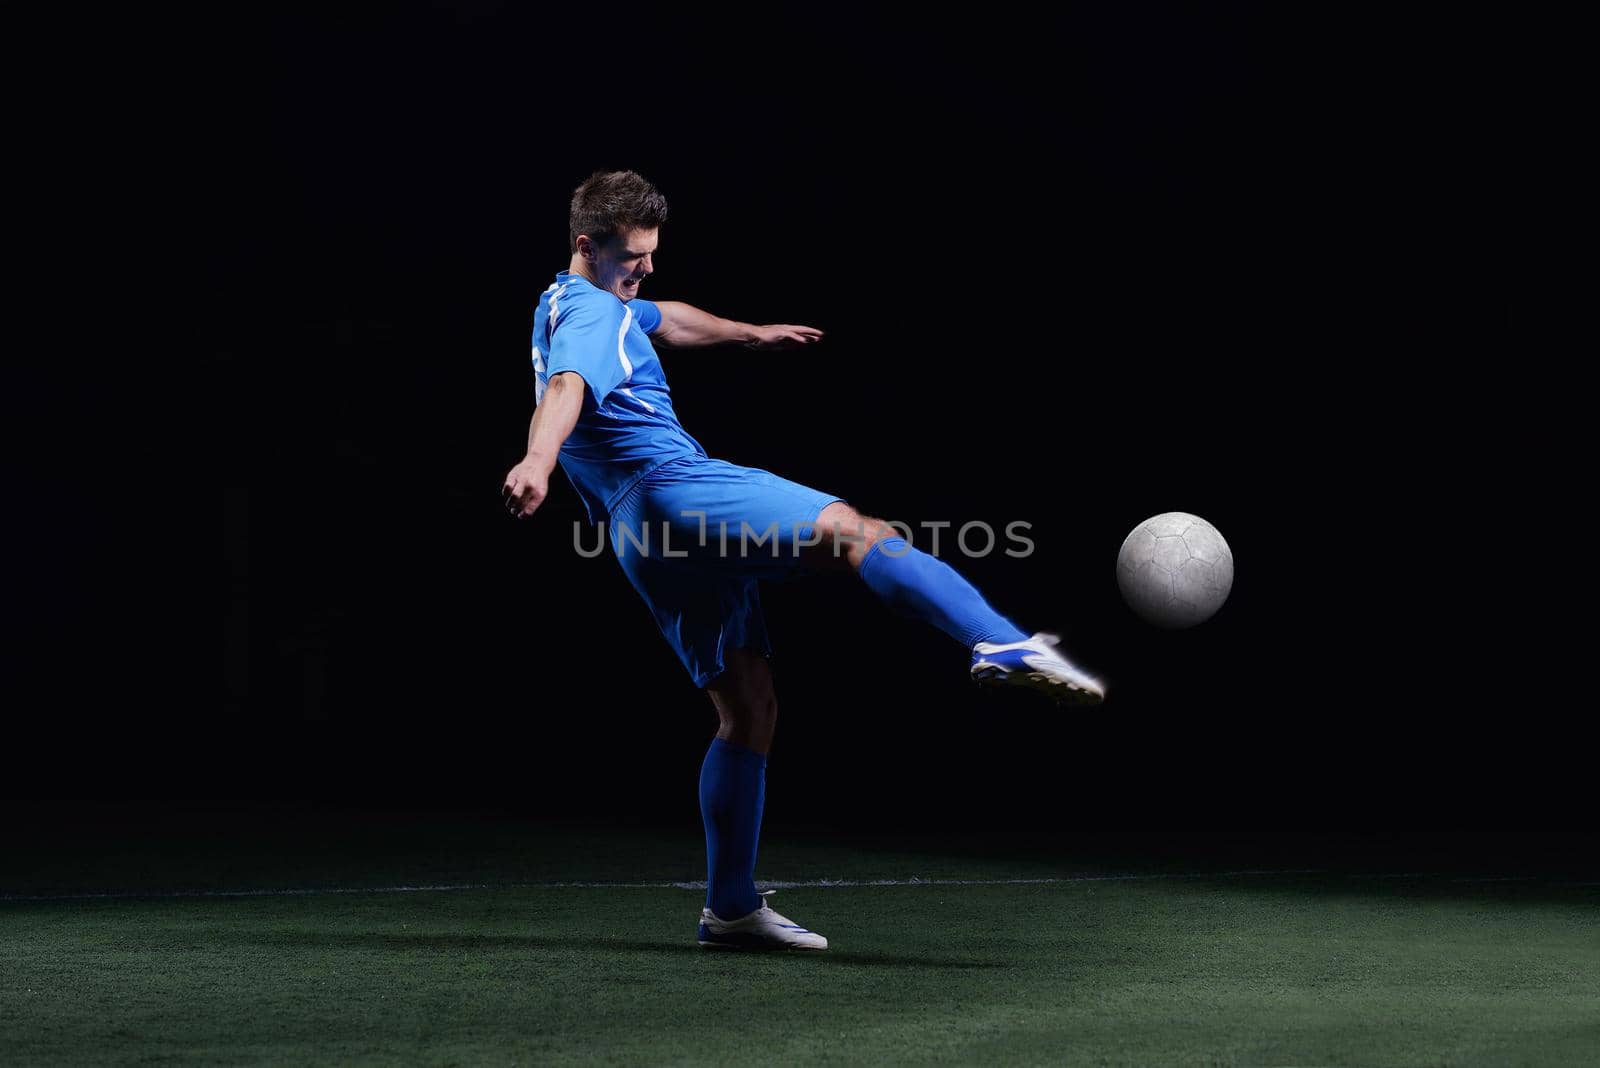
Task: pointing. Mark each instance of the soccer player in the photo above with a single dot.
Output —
(602, 410)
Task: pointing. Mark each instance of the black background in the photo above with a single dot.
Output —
(1074, 270)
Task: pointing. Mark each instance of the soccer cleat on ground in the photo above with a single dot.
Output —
(762, 929)
(1034, 664)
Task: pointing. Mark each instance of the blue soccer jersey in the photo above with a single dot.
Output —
(627, 426)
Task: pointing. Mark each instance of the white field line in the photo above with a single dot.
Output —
(774, 884)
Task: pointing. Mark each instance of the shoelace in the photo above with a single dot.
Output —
(777, 916)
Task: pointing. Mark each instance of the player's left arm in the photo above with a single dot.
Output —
(683, 326)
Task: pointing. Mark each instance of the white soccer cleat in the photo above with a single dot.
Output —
(1034, 664)
(762, 929)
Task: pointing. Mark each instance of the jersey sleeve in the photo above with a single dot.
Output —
(646, 314)
(587, 339)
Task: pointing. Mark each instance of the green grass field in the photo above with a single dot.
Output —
(1125, 960)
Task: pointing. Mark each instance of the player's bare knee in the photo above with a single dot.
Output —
(748, 720)
(876, 530)
(848, 533)
(746, 705)
(749, 715)
(869, 533)
(743, 693)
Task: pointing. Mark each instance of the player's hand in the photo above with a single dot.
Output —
(784, 336)
(524, 490)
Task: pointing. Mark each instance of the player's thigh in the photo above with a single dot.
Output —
(745, 520)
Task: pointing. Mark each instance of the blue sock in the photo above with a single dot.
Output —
(926, 587)
(733, 788)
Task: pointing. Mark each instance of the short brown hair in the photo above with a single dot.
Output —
(609, 202)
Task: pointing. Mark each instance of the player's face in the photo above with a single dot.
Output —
(625, 261)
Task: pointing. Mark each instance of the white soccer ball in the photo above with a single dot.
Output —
(1175, 570)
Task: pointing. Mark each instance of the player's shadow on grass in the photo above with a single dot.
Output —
(465, 943)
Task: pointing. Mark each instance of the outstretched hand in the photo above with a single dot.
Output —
(784, 336)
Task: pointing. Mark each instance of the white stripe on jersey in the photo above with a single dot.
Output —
(539, 382)
(627, 368)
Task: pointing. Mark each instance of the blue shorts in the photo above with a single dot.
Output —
(695, 536)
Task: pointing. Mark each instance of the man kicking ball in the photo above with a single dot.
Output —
(696, 535)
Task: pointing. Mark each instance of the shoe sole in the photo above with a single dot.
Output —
(761, 945)
(1059, 690)
(746, 940)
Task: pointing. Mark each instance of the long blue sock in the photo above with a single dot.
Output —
(733, 789)
(926, 587)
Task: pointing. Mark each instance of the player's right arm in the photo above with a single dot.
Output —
(585, 355)
(527, 483)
